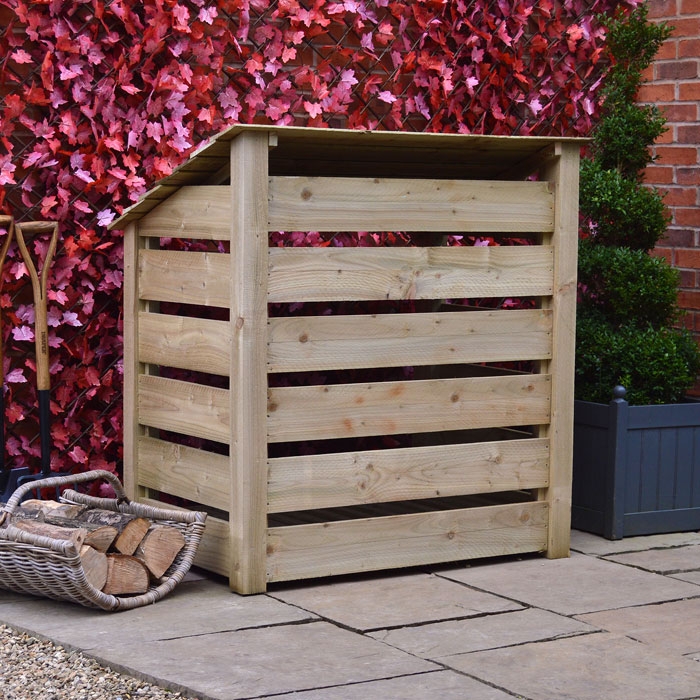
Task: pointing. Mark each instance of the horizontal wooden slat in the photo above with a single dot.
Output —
(184, 471)
(189, 277)
(332, 548)
(379, 204)
(309, 482)
(214, 551)
(390, 408)
(184, 407)
(197, 344)
(198, 212)
(337, 274)
(306, 343)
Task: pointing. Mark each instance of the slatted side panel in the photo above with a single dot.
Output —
(441, 461)
(175, 340)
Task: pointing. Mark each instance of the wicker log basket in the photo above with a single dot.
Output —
(52, 568)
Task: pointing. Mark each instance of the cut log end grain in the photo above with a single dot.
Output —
(131, 528)
(126, 575)
(99, 537)
(159, 548)
(95, 566)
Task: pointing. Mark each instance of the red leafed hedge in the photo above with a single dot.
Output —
(99, 99)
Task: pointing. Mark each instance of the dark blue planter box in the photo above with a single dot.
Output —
(636, 468)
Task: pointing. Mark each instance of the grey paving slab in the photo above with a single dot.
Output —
(391, 600)
(689, 576)
(441, 685)
(196, 608)
(587, 543)
(441, 639)
(9, 597)
(671, 626)
(258, 662)
(589, 667)
(571, 586)
(662, 561)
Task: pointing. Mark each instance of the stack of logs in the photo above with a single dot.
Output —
(121, 553)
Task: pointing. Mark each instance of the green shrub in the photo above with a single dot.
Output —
(655, 365)
(622, 138)
(627, 299)
(627, 286)
(618, 211)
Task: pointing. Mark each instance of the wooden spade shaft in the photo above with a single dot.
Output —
(8, 223)
(41, 330)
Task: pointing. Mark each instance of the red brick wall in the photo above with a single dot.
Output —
(674, 85)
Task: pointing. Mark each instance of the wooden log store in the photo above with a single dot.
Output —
(346, 409)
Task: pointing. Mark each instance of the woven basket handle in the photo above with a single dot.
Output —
(56, 481)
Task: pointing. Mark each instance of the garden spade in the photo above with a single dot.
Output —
(41, 332)
(8, 477)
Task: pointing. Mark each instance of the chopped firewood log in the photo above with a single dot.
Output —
(159, 548)
(99, 537)
(126, 575)
(72, 534)
(63, 510)
(21, 513)
(95, 566)
(131, 528)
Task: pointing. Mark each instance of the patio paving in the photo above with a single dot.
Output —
(615, 621)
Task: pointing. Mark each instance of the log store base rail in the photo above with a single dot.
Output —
(481, 463)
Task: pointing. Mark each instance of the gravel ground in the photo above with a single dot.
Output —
(30, 668)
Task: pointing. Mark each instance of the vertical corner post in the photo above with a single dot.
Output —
(563, 173)
(248, 376)
(132, 306)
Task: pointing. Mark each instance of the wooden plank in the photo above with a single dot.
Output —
(148, 202)
(188, 277)
(197, 344)
(332, 548)
(338, 274)
(185, 472)
(214, 551)
(248, 398)
(380, 204)
(197, 212)
(132, 368)
(184, 407)
(390, 408)
(375, 476)
(563, 171)
(306, 343)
